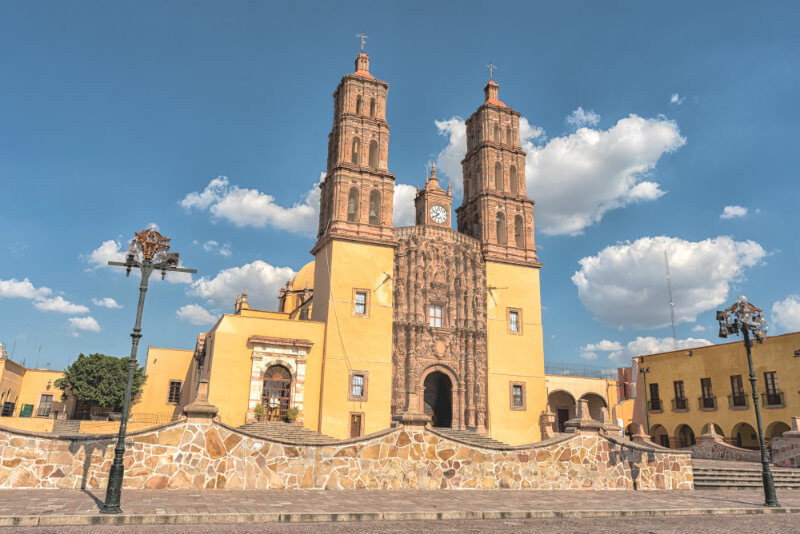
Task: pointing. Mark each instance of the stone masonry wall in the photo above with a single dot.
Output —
(210, 455)
(718, 450)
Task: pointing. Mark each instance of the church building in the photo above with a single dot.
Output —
(439, 322)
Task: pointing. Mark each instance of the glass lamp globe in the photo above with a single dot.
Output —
(741, 299)
(159, 256)
(153, 227)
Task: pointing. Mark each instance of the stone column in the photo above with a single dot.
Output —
(609, 426)
(641, 437)
(583, 422)
(546, 421)
(711, 436)
(786, 448)
(200, 411)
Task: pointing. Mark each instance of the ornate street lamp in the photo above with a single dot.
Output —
(745, 318)
(147, 252)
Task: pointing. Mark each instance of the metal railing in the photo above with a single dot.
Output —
(772, 399)
(680, 404)
(737, 400)
(578, 369)
(655, 405)
(708, 402)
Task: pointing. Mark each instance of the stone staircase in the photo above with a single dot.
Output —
(727, 475)
(470, 437)
(292, 432)
(66, 426)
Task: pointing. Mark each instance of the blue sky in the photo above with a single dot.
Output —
(644, 123)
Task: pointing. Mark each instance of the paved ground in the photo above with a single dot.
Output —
(65, 507)
(759, 524)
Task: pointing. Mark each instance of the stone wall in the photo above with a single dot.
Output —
(211, 455)
(786, 448)
(718, 450)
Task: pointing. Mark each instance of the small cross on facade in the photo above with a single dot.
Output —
(491, 68)
(363, 38)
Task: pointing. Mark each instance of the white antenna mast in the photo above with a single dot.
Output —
(671, 304)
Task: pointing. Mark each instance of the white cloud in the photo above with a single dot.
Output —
(195, 314)
(699, 328)
(107, 251)
(642, 346)
(786, 313)
(675, 98)
(59, 305)
(214, 247)
(87, 323)
(624, 285)
(107, 302)
(250, 207)
(576, 179)
(261, 280)
(733, 211)
(580, 118)
(588, 355)
(404, 213)
(23, 289)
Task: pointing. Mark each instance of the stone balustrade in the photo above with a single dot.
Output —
(786, 448)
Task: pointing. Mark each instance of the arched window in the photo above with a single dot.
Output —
(476, 226)
(498, 176)
(352, 205)
(358, 105)
(508, 135)
(519, 231)
(512, 180)
(372, 108)
(501, 228)
(373, 154)
(354, 153)
(375, 207)
(496, 133)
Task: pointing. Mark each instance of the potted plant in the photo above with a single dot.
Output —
(292, 414)
(261, 414)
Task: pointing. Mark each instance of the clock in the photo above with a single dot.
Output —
(438, 214)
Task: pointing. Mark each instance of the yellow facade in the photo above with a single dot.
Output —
(514, 357)
(162, 367)
(669, 422)
(29, 396)
(353, 342)
(11, 374)
(564, 392)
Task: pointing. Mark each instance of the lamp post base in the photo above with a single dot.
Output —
(113, 509)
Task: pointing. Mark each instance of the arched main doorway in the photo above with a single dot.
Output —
(563, 405)
(658, 434)
(438, 399)
(277, 392)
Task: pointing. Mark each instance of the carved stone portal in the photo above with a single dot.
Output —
(442, 268)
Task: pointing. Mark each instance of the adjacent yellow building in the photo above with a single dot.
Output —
(689, 389)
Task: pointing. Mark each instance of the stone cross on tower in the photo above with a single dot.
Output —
(363, 38)
(491, 68)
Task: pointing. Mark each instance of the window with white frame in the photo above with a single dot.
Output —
(360, 303)
(435, 316)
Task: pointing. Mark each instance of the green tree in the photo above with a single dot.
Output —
(99, 380)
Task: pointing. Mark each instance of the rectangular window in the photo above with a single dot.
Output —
(435, 316)
(45, 405)
(360, 303)
(773, 397)
(8, 409)
(707, 401)
(517, 391)
(655, 398)
(680, 395)
(514, 321)
(174, 395)
(738, 398)
(358, 386)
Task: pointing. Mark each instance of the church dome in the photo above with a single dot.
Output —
(305, 277)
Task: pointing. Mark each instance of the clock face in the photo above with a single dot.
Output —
(438, 214)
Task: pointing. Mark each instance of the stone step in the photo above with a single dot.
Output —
(287, 432)
(471, 437)
(66, 427)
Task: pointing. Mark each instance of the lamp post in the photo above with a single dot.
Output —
(745, 318)
(644, 371)
(147, 252)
